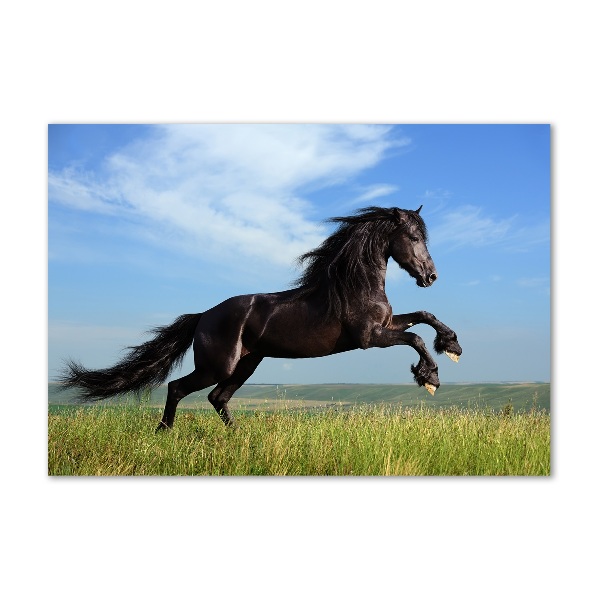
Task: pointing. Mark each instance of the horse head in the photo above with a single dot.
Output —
(408, 246)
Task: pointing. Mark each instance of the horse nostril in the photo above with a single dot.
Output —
(432, 277)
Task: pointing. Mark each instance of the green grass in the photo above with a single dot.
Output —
(364, 440)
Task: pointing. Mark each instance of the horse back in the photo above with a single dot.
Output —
(278, 325)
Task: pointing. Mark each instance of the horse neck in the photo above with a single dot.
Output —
(378, 276)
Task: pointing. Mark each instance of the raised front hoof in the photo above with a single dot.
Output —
(426, 377)
(452, 356)
(448, 344)
(430, 388)
(161, 427)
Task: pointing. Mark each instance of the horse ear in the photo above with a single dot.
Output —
(419, 209)
(399, 216)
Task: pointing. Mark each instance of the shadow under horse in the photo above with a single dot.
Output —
(339, 305)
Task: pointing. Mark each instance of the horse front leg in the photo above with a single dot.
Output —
(425, 373)
(445, 340)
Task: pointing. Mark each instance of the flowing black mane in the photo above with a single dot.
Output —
(342, 266)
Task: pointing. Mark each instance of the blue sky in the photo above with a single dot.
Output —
(149, 222)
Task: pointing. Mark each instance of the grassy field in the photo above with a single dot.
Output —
(361, 440)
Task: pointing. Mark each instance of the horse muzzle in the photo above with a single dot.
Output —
(427, 279)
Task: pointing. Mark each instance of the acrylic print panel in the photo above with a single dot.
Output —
(149, 223)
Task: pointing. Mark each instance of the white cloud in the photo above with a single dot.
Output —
(525, 237)
(375, 191)
(533, 282)
(225, 189)
(467, 225)
(437, 197)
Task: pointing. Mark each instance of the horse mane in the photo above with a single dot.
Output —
(342, 266)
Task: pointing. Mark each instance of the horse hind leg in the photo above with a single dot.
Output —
(178, 389)
(221, 395)
(219, 398)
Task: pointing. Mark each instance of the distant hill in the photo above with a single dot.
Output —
(523, 396)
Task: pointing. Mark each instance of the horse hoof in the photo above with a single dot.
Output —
(452, 356)
(430, 388)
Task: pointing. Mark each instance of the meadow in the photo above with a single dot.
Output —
(287, 436)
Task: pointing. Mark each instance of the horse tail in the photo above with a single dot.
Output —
(145, 366)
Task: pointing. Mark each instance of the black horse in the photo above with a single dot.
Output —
(340, 304)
